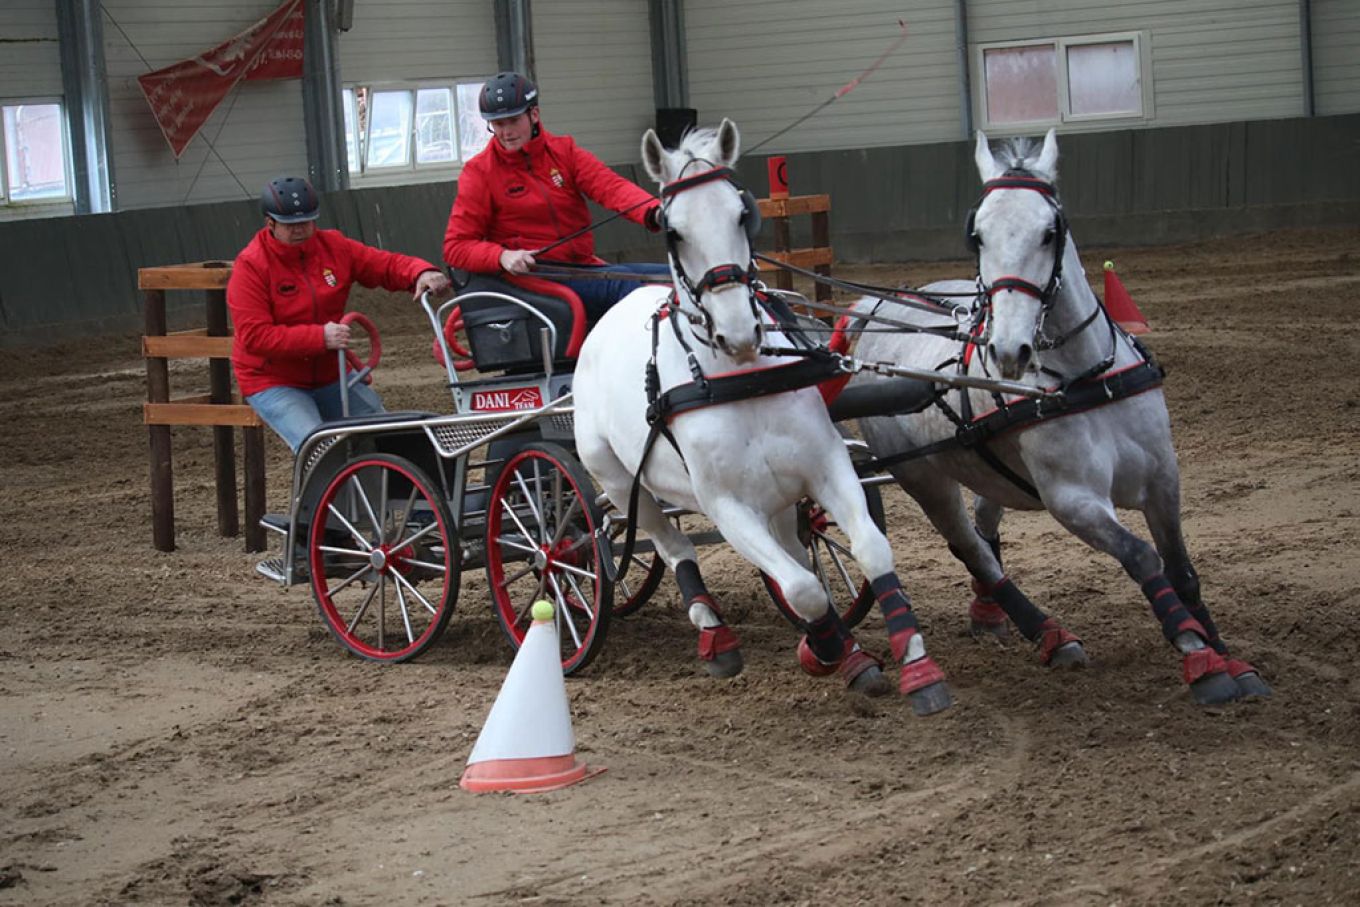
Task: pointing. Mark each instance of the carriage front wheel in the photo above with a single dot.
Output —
(830, 559)
(541, 527)
(384, 558)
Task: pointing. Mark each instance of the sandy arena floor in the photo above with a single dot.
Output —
(175, 729)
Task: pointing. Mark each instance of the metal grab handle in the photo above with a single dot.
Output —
(348, 359)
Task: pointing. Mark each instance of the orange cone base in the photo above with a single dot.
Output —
(525, 776)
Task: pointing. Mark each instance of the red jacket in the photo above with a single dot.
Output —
(281, 297)
(529, 198)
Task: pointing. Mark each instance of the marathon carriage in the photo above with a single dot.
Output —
(408, 501)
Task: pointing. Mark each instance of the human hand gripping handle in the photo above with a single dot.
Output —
(337, 335)
(433, 282)
(517, 261)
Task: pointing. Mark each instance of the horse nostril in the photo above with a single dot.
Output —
(1026, 351)
(720, 340)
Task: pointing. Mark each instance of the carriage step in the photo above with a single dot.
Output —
(272, 568)
(275, 522)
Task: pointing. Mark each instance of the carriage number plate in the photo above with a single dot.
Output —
(512, 398)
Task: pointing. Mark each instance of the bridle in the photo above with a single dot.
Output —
(717, 276)
(1019, 178)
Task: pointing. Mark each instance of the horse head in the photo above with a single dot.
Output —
(1019, 235)
(710, 222)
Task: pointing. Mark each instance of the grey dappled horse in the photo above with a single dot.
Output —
(1038, 321)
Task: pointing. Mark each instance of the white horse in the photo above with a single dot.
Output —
(746, 462)
(1038, 321)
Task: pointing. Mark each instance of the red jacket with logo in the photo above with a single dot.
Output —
(281, 297)
(529, 198)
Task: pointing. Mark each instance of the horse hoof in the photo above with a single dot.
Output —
(931, 699)
(725, 664)
(987, 618)
(1000, 631)
(871, 682)
(1252, 686)
(1215, 689)
(1069, 655)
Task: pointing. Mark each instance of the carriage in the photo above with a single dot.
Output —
(388, 511)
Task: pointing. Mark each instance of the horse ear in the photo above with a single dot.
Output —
(1048, 156)
(653, 156)
(729, 143)
(987, 166)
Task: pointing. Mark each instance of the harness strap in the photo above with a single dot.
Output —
(746, 385)
(972, 434)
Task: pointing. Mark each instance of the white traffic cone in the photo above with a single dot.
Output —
(526, 744)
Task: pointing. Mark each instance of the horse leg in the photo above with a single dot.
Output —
(921, 679)
(1163, 520)
(827, 645)
(719, 648)
(1093, 520)
(830, 642)
(984, 612)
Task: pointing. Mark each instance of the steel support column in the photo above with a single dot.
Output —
(515, 37)
(965, 78)
(84, 85)
(321, 100)
(670, 75)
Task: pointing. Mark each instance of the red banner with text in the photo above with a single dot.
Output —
(182, 96)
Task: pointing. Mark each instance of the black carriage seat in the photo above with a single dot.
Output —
(505, 337)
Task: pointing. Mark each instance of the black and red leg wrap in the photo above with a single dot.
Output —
(1166, 605)
(1201, 614)
(896, 607)
(984, 611)
(1028, 619)
(714, 641)
(828, 637)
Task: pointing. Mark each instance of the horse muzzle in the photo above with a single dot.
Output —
(1012, 362)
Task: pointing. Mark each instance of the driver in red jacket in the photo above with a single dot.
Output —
(528, 188)
(287, 294)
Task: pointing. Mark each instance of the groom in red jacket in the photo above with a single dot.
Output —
(287, 294)
(528, 188)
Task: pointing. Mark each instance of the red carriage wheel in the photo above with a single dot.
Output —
(541, 544)
(384, 558)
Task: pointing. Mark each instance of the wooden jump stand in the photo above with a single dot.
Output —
(778, 208)
(217, 408)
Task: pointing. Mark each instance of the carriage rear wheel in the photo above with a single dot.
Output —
(645, 574)
(384, 558)
(830, 559)
(541, 544)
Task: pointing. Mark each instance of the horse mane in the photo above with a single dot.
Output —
(696, 141)
(1022, 153)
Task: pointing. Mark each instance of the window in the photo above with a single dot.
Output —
(36, 160)
(411, 127)
(1063, 80)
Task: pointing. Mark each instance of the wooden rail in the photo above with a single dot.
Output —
(217, 408)
(818, 257)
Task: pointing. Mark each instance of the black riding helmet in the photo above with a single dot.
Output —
(507, 94)
(290, 200)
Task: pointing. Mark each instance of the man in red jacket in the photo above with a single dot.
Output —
(287, 294)
(527, 190)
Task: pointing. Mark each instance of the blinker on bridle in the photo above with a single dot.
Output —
(717, 276)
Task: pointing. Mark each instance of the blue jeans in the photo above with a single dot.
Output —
(599, 295)
(295, 412)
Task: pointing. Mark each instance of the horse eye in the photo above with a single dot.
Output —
(1048, 236)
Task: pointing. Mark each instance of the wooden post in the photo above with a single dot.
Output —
(253, 442)
(224, 449)
(215, 408)
(158, 391)
(821, 239)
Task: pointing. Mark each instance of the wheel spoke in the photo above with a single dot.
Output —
(358, 536)
(585, 600)
(524, 530)
(397, 580)
(569, 568)
(363, 607)
(362, 494)
(565, 612)
(403, 581)
(406, 512)
(834, 554)
(331, 590)
(342, 552)
(429, 565)
(526, 569)
(516, 544)
(564, 521)
(530, 501)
